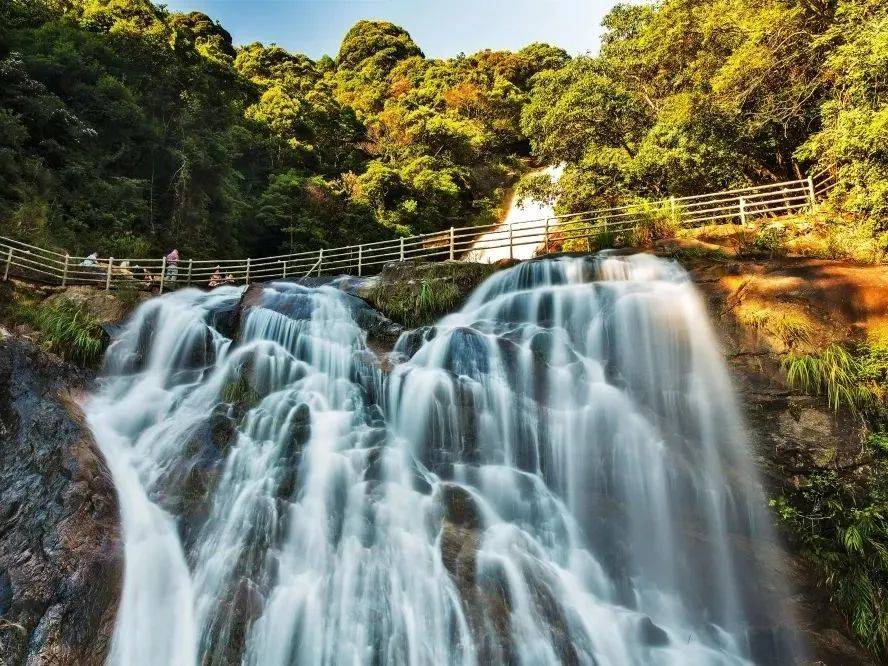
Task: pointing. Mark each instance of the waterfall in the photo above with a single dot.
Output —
(555, 474)
(526, 219)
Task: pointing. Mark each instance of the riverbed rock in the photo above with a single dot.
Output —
(61, 558)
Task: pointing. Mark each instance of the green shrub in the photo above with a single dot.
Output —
(840, 519)
(417, 293)
(418, 303)
(239, 392)
(654, 221)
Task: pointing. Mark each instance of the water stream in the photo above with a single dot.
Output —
(526, 218)
(557, 473)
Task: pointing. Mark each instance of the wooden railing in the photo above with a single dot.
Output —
(36, 264)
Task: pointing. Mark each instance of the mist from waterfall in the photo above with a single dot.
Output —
(557, 473)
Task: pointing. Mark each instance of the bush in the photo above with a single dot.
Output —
(655, 221)
(839, 518)
(414, 294)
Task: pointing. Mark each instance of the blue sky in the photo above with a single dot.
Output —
(441, 28)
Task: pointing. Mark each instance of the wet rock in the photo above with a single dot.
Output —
(5, 592)
(239, 608)
(651, 635)
(550, 610)
(223, 429)
(793, 434)
(299, 434)
(185, 488)
(200, 353)
(767, 646)
(411, 341)
(225, 319)
(460, 507)
(61, 557)
(486, 607)
(300, 426)
(252, 297)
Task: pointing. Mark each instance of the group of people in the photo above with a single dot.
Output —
(216, 279)
(170, 272)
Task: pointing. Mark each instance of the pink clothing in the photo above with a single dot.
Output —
(173, 257)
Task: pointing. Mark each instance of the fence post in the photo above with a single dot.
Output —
(360, 259)
(108, 274)
(163, 270)
(511, 250)
(285, 269)
(65, 271)
(402, 248)
(672, 210)
(812, 195)
(190, 264)
(320, 261)
(247, 274)
(451, 244)
(8, 264)
(742, 211)
(547, 235)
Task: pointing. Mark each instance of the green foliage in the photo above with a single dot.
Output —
(854, 114)
(240, 392)
(762, 243)
(375, 45)
(68, 330)
(654, 222)
(128, 129)
(836, 373)
(695, 253)
(687, 97)
(417, 303)
(414, 295)
(840, 519)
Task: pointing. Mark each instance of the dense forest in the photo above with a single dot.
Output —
(690, 95)
(127, 129)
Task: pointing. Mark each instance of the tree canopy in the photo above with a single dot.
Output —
(126, 128)
(688, 95)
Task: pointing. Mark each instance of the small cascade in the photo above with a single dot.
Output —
(524, 218)
(555, 474)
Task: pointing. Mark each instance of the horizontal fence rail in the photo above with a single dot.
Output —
(35, 264)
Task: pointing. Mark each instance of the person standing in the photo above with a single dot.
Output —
(172, 266)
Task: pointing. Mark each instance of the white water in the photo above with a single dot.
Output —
(558, 474)
(523, 217)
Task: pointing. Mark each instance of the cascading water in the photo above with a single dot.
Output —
(554, 474)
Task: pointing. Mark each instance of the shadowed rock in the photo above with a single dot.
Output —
(61, 558)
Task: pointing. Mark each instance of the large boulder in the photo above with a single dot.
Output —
(61, 558)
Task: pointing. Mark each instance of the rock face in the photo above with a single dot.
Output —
(61, 559)
(791, 432)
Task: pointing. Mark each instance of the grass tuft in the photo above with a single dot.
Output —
(67, 329)
(834, 372)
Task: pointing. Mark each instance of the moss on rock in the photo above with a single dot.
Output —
(417, 293)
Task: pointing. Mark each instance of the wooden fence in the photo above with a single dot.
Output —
(35, 264)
